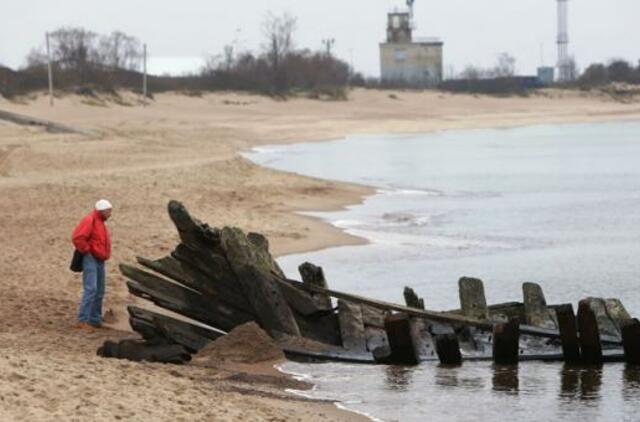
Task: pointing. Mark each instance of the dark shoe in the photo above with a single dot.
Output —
(96, 325)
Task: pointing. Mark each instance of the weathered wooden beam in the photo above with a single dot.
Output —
(182, 300)
(314, 275)
(376, 338)
(372, 317)
(136, 350)
(422, 338)
(265, 296)
(535, 307)
(631, 341)
(412, 299)
(617, 312)
(213, 266)
(261, 254)
(184, 274)
(590, 347)
(148, 331)
(506, 338)
(568, 333)
(301, 301)
(180, 332)
(352, 328)
(445, 317)
(322, 327)
(241, 251)
(473, 302)
(446, 344)
(401, 342)
(193, 232)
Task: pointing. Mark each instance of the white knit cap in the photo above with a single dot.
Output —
(103, 205)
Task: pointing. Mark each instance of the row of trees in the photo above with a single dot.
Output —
(617, 70)
(82, 57)
(505, 67)
(78, 48)
(278, 67)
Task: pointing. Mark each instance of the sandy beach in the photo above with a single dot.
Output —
(185, 148)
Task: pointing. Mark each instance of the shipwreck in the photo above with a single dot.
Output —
(217, 279)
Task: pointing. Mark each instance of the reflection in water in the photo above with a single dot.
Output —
(580, 382)
(590, 383)
(456, 376)
(631, 384)
(569, 382)
(505, 378)
(398, 377)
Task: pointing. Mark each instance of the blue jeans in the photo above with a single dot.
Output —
(93, 283)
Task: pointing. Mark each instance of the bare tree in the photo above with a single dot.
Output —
(73, 47)
(472, 72)
(120, 51)
(278, 32)
(572, 69)
(506, 66)
(36, 57)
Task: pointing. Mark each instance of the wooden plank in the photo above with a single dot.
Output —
(445, 317)
(301, 300)
(191, 336)
(535, 307)
(148, 331)
(590, 347)
(191, 231)
(506, 338)
(321, 327)
(606, 324)
(446, 343)
(267, 300)
(372, 317)
(472, 299)
(351, 326)
(568, 333)
(314, 275)
(211, 265)
(183, 301)
(376, 337)
(150, 316)
(182, 273)
(631, 341)
(401, 342)
(412, 299)
(136, 350)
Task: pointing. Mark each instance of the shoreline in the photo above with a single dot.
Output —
(370, 190)
(187, 149)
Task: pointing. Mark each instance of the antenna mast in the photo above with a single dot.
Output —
(410, 6)
(564, 64)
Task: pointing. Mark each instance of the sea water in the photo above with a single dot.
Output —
(557, 205)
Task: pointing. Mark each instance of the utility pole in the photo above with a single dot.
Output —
(49, 70)
(144, 77)
(328, 44)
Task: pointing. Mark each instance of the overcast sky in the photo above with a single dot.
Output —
(474, 31)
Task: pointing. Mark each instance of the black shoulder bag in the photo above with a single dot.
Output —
(76, 260)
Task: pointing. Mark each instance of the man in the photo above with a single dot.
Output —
(91, 237)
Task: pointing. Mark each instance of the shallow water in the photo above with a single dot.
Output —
(558, 205)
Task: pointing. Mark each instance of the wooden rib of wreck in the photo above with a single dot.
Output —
(220, 278)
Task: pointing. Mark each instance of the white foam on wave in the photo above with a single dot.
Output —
(409, 192)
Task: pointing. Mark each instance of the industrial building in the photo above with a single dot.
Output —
(408, 61)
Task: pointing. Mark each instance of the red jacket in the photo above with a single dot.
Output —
(92, 236)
